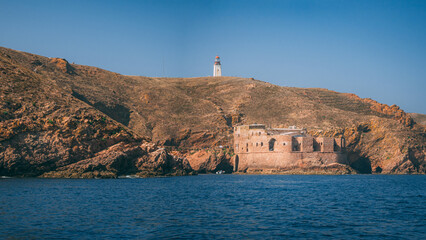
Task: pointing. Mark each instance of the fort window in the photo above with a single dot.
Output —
(283, 143)
(256, 144)
(261, 144)
(316, 146)
(296, 147)
(246, 147)
(272, 144)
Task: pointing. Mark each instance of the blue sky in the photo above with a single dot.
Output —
(375, 49)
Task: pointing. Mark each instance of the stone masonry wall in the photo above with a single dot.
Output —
(256, 148)
(280, 160)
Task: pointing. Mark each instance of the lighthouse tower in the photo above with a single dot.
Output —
(217, 69)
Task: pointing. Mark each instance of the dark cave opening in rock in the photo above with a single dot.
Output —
(362, 165)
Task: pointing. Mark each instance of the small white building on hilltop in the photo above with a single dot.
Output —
(217, 69)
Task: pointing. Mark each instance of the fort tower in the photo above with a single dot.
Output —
(217, 69)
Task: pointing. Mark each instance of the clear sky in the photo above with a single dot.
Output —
(372, 48)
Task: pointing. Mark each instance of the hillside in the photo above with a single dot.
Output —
(419, 118)
(45, 131)
(195, 116)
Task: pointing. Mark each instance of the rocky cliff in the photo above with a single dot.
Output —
(46, 131)
(191, 117)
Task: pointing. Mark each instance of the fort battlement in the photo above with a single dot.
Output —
(257, 146)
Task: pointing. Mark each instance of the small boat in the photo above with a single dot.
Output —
(220, 172)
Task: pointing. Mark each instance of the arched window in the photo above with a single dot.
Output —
(261, 144)
(272, 144)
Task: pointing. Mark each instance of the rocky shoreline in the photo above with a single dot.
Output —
(62, 120)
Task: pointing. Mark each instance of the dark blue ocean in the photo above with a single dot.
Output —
(216, 207)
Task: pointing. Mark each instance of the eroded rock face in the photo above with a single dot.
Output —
(116, 160)
(160, 162)
(46, 131)
(187, 115)
(383, 146)
(210, 161)
(125, 159)
(393, 110)
(63, 65)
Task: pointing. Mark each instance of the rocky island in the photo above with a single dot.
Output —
(60, 119)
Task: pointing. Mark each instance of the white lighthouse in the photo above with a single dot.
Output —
(217, 69)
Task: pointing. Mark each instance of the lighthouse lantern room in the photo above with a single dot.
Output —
(217, 69)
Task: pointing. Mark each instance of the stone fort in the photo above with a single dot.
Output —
(259, 147)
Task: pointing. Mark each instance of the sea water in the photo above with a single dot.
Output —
(216, 207)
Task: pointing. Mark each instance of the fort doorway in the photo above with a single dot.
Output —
(236, 160)
(272, 144)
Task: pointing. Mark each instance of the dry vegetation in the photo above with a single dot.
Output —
(45, 130)
(191, 114)
(419, 118)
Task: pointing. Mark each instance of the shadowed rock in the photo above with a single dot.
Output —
(188, 114)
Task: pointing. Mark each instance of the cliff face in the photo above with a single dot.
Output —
(45, 130)
(382, 146)
(192, 116)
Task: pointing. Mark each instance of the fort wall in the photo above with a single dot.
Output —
(258, 147)
(279, 160)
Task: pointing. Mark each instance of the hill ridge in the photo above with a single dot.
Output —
(192, 114)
